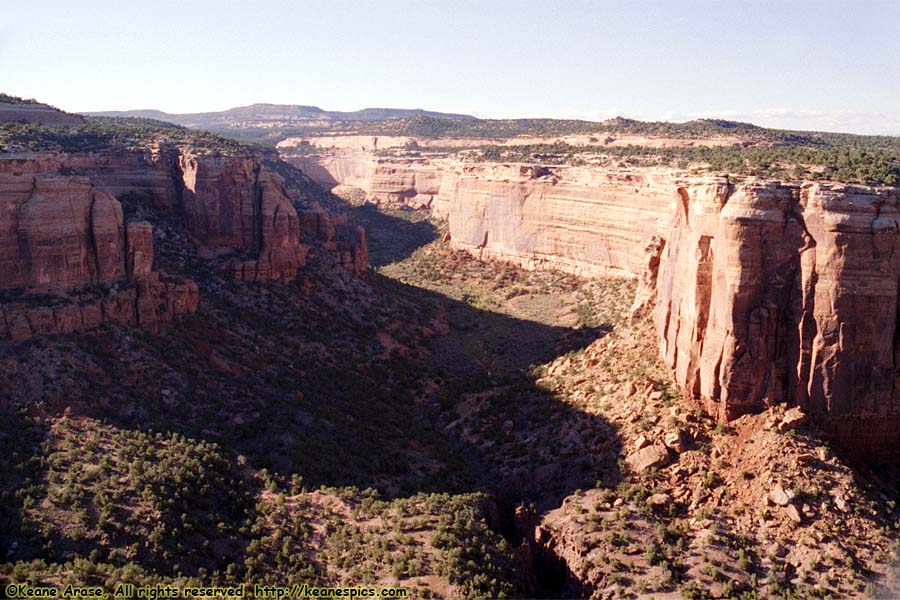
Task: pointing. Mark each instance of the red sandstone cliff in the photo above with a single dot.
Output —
(60, 235)
(237, 204)
(773, 292)
(63, 234)
(583, 221)
(389, 182)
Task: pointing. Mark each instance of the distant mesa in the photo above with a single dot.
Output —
(275, 113)
(19, 110)
(723, 124)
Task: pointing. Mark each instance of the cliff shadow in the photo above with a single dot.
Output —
(520, 439)
(341, 382)
(392, 237)
(340, 393)
(21, 437)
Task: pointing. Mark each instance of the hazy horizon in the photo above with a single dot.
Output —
(805, 65)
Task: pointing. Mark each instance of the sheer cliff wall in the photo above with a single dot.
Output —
(769, 292)
(389, 183)
(583, 221)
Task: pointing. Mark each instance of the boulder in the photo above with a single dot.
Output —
(675, 441)
(649, 457)
(778, 495)
(793, 418)
(793, 514)
(659, 500)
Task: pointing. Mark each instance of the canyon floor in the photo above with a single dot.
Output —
(462, 428)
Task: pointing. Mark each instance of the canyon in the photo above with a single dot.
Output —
(762, 292)
(196, 353)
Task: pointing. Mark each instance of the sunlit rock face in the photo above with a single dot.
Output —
(393, 183)
(771, 292)
(64, 233)
(237, 204)
(580, 220)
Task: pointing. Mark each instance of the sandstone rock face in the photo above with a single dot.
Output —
(579, 220)
(645, 297)
(409, 183)
(359, 252)
(58, 232)
(145, 302)
(237, 204)
(773, 292)
(228, 204)
(59, 236)
(764, 292)
(148, 173)
(221, 201)
(139, 248)
(390, 183)
(347, 167)
(63, 230)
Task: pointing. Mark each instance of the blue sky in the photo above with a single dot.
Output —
(812, 65)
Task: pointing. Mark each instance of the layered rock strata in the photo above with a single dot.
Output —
(229, 204)
(583, 221)
(407, 183)
(69, 260)
(145, 302)
(771, 292)
(237, 204)
(60, 236)
(390, 183)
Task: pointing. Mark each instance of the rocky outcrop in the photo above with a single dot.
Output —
(346, 167)
(230, 204)
(406, 183)
(145, 302)
(237, 204)
(336, 235)
(59, 233)
(69, 261)
(772, 292)
(150, 174)
(139, 248)
(764, 292)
